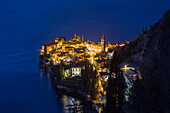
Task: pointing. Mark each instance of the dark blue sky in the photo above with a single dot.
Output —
(34, 22)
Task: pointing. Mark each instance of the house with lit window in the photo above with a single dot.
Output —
(76, 71)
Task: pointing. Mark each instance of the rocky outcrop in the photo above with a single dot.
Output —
(151, 51)
(156, 48)
(132, 51)
(149, 47)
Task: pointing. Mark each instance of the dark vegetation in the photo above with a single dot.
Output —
(116, 87)
(90, 80)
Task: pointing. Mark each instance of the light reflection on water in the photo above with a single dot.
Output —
(65, 99)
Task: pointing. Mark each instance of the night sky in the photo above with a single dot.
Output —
(35, 22)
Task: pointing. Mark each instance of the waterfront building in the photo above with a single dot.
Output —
(76, 71)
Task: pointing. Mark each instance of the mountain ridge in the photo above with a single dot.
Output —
(150, 50)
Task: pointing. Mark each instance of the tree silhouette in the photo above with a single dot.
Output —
(116, 86)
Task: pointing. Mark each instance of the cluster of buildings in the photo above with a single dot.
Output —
(74, 52)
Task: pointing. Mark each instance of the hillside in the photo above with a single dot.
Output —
(150, 50)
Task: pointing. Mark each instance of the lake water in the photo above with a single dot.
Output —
(24, 88)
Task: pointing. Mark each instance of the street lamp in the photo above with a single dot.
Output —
(125, 67)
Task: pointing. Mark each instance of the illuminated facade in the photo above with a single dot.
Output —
(76, 71)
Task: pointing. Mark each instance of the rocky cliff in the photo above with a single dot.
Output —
(150, 47)
(150, 40)
(151, 51)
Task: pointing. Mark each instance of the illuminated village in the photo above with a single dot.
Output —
(76, 51)
(71, 57)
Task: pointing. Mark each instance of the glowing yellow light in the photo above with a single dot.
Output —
(125, 66)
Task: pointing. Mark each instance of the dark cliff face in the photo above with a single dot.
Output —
(151, 46)
(151, 51)
(155, 52)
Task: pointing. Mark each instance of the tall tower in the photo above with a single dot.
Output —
(75, 35)
(103, 41)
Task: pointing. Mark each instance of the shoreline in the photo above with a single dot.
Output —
(69, 90)
(75, 90)
(76, 94)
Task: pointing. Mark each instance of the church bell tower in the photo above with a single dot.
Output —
(103, 42)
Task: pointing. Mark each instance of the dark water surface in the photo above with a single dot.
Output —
(24, 88)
